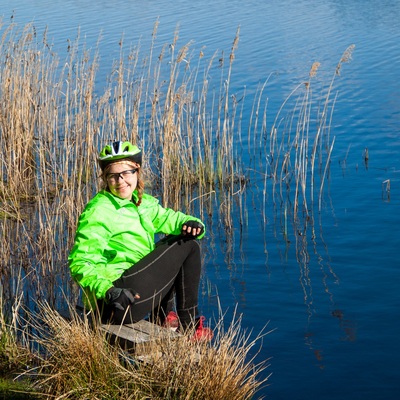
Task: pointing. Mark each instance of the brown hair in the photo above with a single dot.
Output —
(140, 182)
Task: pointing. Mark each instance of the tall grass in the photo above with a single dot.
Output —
(298, 157)
(54, 120)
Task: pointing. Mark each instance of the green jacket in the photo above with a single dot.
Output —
(113, 234)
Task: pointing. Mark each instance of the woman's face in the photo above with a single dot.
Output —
(121, 180)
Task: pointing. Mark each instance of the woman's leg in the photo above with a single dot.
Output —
(175, 264)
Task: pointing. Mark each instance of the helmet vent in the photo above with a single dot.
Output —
(116, 146)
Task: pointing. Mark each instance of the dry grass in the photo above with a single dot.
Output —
(186, 370)
(75, 361)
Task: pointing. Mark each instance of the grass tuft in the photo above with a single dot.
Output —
(74, 360)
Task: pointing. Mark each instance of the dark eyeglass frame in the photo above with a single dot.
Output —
(123, 174)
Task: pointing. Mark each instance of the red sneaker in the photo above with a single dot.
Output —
(171, 321)
(202, 333)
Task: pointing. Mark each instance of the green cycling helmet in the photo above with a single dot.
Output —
(118, 151)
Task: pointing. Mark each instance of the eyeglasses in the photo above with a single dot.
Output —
(124, 174)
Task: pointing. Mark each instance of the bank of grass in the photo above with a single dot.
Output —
(12, 390)
(15, 357)
(72, 359)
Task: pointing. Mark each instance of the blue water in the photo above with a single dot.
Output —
(334, 316)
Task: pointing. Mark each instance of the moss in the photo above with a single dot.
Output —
(12, 390)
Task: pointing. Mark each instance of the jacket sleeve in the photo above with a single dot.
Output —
(86, 260)
(170, 222)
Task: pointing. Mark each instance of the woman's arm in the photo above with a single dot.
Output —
(166, 220)
(87, 259)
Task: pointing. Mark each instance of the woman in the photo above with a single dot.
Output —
(123, 273)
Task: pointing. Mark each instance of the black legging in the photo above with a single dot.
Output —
(173, 268)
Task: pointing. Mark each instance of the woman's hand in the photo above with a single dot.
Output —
(192, 229)
(121, 299)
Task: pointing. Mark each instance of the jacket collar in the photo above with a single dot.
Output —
(117, 201)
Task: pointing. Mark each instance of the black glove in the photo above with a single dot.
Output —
(121, 299)
(192, 229)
